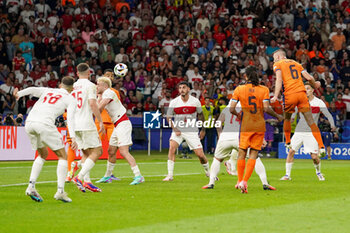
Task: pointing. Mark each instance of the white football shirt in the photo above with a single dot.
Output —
(317, 106)
(84, 90)
(52, 103)
(231, 124)
(114, 108)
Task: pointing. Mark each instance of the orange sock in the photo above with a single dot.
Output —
(317, 134)
(250, 169)
(71, 157)
(240, 169)
(287, 127)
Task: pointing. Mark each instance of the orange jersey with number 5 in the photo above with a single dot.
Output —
(291, 76)
(251, 99)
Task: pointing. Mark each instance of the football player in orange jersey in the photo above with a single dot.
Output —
(254, 99)
(291, 73)
(109, 126)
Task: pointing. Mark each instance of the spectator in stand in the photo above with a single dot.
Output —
(346, 100)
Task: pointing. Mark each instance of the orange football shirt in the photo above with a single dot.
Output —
(291, 76)
(251, 99)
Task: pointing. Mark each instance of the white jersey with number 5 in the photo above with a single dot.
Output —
(231, 124)
(114, 108)
(51, 104)
(84, 90)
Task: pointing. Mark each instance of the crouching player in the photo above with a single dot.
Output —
(227, 143)
(303, 135)
(121, 136)
(41, 129)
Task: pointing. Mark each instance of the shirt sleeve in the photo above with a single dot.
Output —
(72, 105)
(276, 66)
(107, 95)
(92, 92)
(266, 95)
(35, 91)
(325, 112)
(170, 111)
(235, 96)
(199, 106)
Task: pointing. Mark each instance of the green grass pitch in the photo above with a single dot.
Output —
(301, 205)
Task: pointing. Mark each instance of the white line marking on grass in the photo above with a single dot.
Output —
(54, 181)
(118, 164)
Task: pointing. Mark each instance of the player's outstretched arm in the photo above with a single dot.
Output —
(328, 115)
(97, 114)
(202, 132)
(269, 110)
(102, 104)
(35, 91)
(310, 79)
(278, 86)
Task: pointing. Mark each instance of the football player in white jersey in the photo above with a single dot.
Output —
(86, 133)
(41, 129)
(184, 109)
(121, 136)
(303, 135)
(228, 145)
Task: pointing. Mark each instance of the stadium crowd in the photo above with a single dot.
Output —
(208, 43)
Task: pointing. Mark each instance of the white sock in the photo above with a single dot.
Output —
(318, 167)
(260, 170)
(79, 163)
(233, 161)
(214, 170)
(86, 167)
(110, 168)
(136, 170)
(36, 169)
(171, 168)
(206, 168)
(87, 177)
(62, 168)
(288, 168)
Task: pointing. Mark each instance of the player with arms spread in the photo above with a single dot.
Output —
(303, 135)
(121, 136)
(185, 108)
(254, 99)
(41, 129)
(291, 73)
(86, 132)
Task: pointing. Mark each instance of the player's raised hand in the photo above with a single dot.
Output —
(102, 129)
(15, 93)
(273, 99)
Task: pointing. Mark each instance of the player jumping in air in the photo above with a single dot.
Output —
(86, 132)
(41, 129)
(121, 136)
(227, 143)
(291, 73)
(185, 108)
(303, 135)
(254, 99)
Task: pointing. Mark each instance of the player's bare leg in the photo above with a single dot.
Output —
(287, 127)
(315, 132)
(171, 160)
(124, 151)
(34, 174)
(62, 168)
(203, 160)
(317, 165)
(289, 165)
(329, 152)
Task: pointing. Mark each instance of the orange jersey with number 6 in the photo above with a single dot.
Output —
(251, 99)
(291, 76)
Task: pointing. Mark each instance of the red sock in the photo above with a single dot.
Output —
(250, 169)
(287, 127)
(70, 157)
(240, 169)
(317, 134)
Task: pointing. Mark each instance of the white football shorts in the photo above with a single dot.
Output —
(121, 135)
(224, 148)
(87, 139)
(306, 139)
(191, 138)
(42, 135)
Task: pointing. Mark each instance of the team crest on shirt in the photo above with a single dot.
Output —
(151, 120)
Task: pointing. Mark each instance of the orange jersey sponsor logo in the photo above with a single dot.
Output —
(251, 99)
(291, 76)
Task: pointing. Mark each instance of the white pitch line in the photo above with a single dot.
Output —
(54, 181)
(118, 164)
